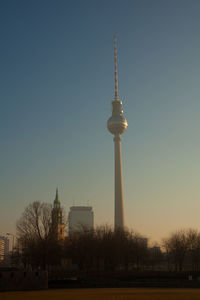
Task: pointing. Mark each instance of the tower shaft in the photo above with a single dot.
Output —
(119, 201)
(117, 125)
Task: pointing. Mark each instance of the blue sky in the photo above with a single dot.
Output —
(57, 84)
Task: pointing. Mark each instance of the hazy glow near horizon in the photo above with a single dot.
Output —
(57, 84)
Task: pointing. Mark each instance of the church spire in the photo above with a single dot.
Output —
(57, 200)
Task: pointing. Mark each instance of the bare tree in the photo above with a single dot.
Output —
(107, 249)
(194, 249)
(35, 221)
(36, 235)
(176, 247)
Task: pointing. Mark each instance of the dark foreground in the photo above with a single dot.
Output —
(105, 294)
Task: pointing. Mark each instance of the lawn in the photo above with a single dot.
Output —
(105, 294)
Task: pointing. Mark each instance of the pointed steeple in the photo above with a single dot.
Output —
(116, 73)
(57, 200)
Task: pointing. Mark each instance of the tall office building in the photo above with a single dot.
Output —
(117, 124)
(4, 247)
(57, 219)
(80, 218)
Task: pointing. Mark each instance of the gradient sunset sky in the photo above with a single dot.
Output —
(57, 84)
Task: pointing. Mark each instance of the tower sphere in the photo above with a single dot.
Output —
(117, 124)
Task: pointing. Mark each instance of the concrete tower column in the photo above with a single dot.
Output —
(119, 201)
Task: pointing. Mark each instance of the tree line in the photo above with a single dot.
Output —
(101, 248)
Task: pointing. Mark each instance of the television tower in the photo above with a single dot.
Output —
(117, 124)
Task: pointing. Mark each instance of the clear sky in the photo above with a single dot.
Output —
(57, 84)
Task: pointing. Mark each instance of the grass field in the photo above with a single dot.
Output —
(105, 294)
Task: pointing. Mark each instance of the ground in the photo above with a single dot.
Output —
(105, 294)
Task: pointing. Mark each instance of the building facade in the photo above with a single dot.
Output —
(80, 218)
(4, 247)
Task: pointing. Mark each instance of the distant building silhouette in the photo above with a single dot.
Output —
(80, 218)
(4, 247)
(57, 218)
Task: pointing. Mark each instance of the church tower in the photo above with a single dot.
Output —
(57, 221)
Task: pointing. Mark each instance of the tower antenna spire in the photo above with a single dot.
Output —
(116, 73)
